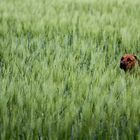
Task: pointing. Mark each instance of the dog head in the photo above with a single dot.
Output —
(128, 62)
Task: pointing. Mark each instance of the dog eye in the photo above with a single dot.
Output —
(122, 58)
(128, 59)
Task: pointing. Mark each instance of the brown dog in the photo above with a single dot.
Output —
(128, 62)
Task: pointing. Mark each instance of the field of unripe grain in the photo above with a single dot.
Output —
(59, 70)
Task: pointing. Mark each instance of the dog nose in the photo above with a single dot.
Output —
(122, 65)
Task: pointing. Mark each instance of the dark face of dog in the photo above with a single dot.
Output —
(128, 62)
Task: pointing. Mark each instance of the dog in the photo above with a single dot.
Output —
(129, 62)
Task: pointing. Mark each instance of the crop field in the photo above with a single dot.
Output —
(59, 70)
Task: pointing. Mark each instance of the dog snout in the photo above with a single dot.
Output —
(122, 65)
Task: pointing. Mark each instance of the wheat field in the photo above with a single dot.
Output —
(59, 70)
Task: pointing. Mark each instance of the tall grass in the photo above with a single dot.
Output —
(59, 69)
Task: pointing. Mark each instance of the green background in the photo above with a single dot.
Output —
(59, 69)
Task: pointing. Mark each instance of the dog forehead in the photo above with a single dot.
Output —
(130, 56)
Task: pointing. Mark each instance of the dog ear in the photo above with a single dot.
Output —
(122, 58)
(135, 57)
